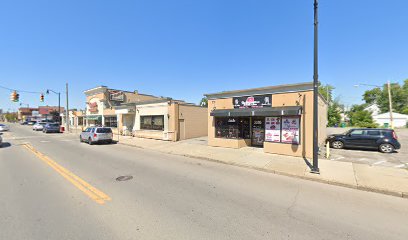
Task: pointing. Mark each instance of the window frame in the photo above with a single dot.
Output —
(152, 125)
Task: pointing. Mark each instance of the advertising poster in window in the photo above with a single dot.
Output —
(290, 130)
(272, 129)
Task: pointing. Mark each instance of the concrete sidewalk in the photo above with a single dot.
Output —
(360, 176)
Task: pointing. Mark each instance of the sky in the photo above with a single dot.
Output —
(186, 48)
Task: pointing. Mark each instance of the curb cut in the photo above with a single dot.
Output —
(340, 184)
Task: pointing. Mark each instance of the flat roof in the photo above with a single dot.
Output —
(305, 86)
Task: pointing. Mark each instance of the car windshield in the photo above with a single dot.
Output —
(53, 125)
(103, 130)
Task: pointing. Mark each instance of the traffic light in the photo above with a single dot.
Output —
(42, 97)
(14, 96)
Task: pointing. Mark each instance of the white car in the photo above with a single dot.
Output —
(39, 126)
(4, 128)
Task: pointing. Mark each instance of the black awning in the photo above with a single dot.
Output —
(265, 112)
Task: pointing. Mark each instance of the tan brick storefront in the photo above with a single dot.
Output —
(278, 118)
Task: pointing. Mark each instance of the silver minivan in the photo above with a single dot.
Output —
(93, 135)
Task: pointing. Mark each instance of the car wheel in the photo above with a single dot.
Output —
(90, 141)
(337, 144)
(80, 139)
(386, 148)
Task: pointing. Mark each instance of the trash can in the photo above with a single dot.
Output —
(386, 125)
(62, 128)
(343, 124)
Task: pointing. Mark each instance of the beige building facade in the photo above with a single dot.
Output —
(278, 119)
(170, 120)
(108, 107)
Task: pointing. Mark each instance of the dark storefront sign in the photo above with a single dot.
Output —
(258, 101)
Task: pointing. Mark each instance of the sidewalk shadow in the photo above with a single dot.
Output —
(5, 145)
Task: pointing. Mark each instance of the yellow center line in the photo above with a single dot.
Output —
(92, 192)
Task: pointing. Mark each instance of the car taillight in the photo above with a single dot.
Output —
(394, 135)
(95, 135)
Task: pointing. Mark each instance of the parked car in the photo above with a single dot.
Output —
(39, 126)
(24, 123)
(31, 122)
(93, 135)
(51, 128)
(1, 140)
(4, 127)
(383, 140)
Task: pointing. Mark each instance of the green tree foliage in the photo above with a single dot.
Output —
(326, 91)
(334, 107)
(380, 96)
(11, 117)
(360, 117)
(204, 102)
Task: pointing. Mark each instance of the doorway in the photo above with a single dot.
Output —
(182, 133)
(258, 132)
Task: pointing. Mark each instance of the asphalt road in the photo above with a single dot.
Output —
(52, 187)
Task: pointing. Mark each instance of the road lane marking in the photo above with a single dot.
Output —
(92, 192)
(400, 166)
(379, 162)
(44, 141)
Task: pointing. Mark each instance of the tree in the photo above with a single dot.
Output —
(55, 116)
(334, 107)
(11, 117)
(334, 113)
(379, 96)
(326, 91)
(360, 117)
(204, 102)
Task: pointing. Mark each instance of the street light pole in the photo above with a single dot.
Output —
(315, 168)
(59, 102)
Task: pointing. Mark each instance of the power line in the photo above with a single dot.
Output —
(22, 91)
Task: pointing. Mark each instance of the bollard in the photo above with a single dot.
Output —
(327, 149)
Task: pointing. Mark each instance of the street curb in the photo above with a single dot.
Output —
(335, 183)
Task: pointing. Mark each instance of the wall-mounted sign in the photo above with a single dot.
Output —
(257, 101)
(93, 107)
(117, 96)
(273, 129)
(290, 130)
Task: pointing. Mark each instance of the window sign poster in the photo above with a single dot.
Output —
(290, 130)
(272, 129)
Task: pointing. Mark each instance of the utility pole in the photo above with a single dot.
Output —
(67, 111)
(390, 103)
(315, 168)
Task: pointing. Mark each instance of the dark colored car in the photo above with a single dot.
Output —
(51, 128)
(383, 140)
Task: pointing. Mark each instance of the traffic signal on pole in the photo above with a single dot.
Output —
(14, 96)
(42, 97)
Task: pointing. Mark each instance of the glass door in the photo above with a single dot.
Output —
(258, 132)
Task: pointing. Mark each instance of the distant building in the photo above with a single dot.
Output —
(374, 109)
(25, 113)
(399, 120)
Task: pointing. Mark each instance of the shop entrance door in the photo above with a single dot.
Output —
(258, 132)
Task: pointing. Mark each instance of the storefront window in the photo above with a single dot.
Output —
(111, 122)
(230, 127)
(152, 122)
(282, 129)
